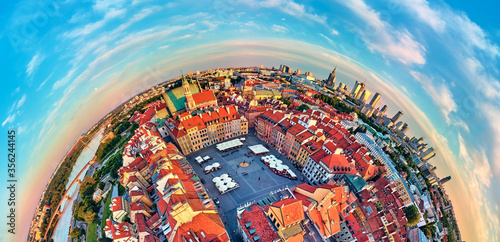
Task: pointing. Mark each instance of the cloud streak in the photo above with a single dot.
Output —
(381, 37)
(34, 63)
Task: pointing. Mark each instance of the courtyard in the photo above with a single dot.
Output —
(256, 180)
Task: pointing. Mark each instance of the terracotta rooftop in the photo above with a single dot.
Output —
(203, 97)
(291, 210)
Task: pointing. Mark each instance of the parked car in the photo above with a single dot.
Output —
(202, 181)
(216, 201)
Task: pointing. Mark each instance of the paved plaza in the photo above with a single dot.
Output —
(257, 184)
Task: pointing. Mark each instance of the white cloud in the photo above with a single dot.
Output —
(34, 63)
(16, 91)
(382, 37)
(163, 47)
(279, 28)
(427, 15)
(9, 119)
(335, 32)
(330, 41)
(21, 101)
(78, 17)
(485, 83)
(44, 82)
(91, 27)
(439, 92)
(289, 7)
(477, 162)
(63, 81)
(442, 97)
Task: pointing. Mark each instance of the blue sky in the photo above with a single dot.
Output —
(67, 63)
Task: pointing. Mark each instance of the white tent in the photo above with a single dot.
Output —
(216, 164)
(199, 159)
(258, 149)
(216, 179)
(222, 188)
(231, 184)
(205, 158)
(207, 168)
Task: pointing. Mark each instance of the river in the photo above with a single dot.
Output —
(62, 229)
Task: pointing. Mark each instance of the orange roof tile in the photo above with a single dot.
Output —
(291, 210)
(203, 97)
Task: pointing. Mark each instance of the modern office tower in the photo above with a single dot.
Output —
(428, 154)
(405, 128)
(398, 125)
(445, 180)
(331, 77)
(361, 89)
(382, 111)
(299, 72)
(364, 96)
(419, 141)
(342, 86)
(285, 68)
(355, 89)
(309, 73)
(375, 99)
(396, 117)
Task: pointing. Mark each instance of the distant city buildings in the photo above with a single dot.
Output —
(375, 100)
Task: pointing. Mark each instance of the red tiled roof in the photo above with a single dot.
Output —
(330, 146)
(259, 221)
(192, 122)
(319, 155)
(304, 135)
(206, 226)
(306, 187)
(117, 204)
(335, 160)
(203, 97)
(136, 206)
(291, 210)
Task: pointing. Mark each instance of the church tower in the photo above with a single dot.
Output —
(190, 105)
(331, 78)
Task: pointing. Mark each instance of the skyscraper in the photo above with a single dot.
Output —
(361, 89)
(382, 111)
(404, 128)
(355, 89)
(364, 96)
(444, 180)
(342, 86)
(299, 72)
(396, 117)
(375, 99)
(398, 126)
(285, 68)
(428, 154)
(331, 78)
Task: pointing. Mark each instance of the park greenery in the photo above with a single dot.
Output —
(106, 212)
(303, 107)
(76, 232)
(57, 186)
(285, 101)
(412, 215)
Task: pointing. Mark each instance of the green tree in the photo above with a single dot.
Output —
(303, 107)
(412, 214)
(76, 232)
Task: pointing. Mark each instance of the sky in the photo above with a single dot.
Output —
(66, 64)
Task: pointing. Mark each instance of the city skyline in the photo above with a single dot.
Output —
(67, 71)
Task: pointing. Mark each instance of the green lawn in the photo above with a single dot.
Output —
(106, 213)
(92, 232)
